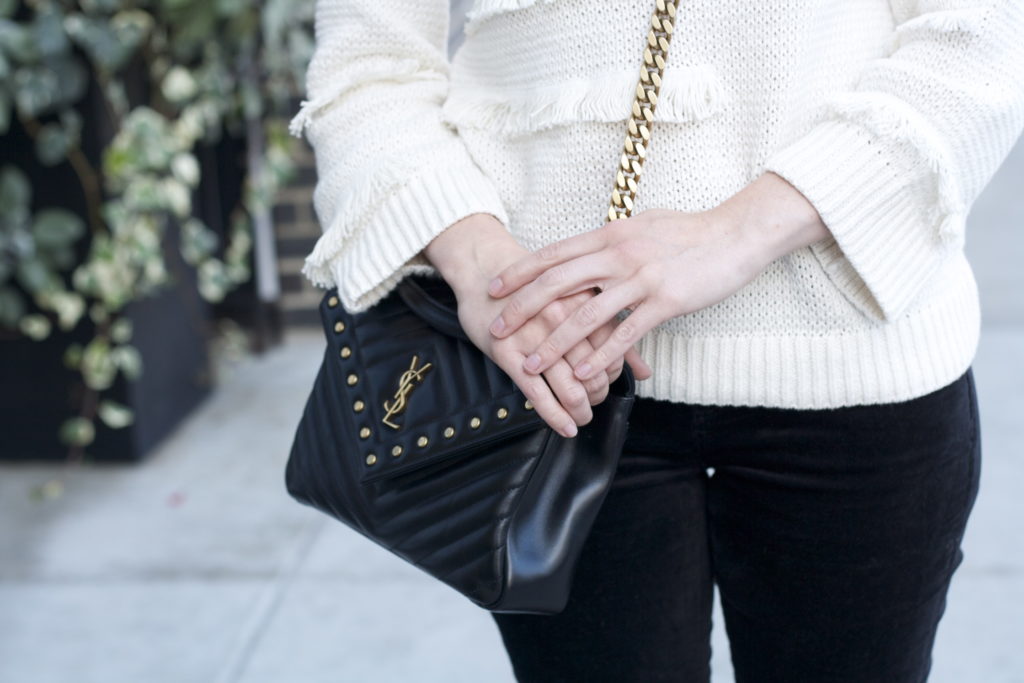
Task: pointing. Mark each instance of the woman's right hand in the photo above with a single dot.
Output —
(468, 254)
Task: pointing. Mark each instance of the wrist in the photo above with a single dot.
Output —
(471, 251)
(772, 217)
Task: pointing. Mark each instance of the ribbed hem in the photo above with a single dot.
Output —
(915, 355)
(378, 254)
(875, 195)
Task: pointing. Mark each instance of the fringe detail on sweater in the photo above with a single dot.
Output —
(688, 94)
(968, 20)
(360, 195)
(387, 71)
(485, 9)
(889, 117)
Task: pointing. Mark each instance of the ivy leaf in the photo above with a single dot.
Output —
(15, 190)
(48, 34)
(55, 228)
(197, 241)
(77, 431)
(73, 356)
(186, 168)
(121, 330)
(129, 359)
(115, 415)
(36, 89)
(52, 144)
(12, 307)
(34, 274)
(179, 85)
(16, 41)
(131, 27)
(69, 306)
(73, 80)
(35, 326)
(98, 366)
(97, 37)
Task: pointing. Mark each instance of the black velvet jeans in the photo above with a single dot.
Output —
(832, 536)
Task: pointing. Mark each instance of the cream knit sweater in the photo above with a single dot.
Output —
(890, 116)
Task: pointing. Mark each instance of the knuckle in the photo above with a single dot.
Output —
(599, 396)
(575, 396)
(516, 306)
(549, 252)
(529, 391)
(587, 313)
(554, 313)
(553, 276)
(651, 274)
(596, 385)
(623, 251)
(548, 349)
(625, 330)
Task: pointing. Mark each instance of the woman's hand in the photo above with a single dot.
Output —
(658, 264)
(468, 254)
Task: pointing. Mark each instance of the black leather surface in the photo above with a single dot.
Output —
(499, 512)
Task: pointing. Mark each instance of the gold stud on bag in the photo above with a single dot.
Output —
(478, 491)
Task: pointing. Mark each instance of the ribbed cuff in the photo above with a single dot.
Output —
(875, 194)
(375, 257)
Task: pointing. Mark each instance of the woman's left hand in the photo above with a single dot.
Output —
(659, 264)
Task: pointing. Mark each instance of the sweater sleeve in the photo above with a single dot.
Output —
(894, 164)
(391, 175)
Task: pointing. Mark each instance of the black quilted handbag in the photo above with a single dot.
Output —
(416, 439)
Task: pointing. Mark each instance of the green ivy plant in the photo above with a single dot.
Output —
(214, 67)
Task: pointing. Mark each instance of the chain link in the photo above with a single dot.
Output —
(638, 128)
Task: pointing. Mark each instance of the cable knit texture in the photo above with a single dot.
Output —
(890, 116)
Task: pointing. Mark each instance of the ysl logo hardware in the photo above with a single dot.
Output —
(406, 383)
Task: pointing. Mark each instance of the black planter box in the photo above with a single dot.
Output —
(37, 392)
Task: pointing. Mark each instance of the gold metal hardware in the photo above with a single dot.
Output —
(345, 352)
(364, 433)
(502, 413)
(406, 383)
(528, 405)
(396, 451)
(371, 459)
(358, 406)
(422, 441)
(339, 327)
(352, 379)
(449, 432)
(332, 302)
(475, 422)
(648, 88)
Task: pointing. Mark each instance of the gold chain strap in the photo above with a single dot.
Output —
(638, 133)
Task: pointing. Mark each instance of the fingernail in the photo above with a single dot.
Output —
(498, 326)
(495, 286)
(532, 363)
(583, 370)
(570, 429)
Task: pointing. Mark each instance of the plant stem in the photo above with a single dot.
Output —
(87, 176)
(89, 405)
